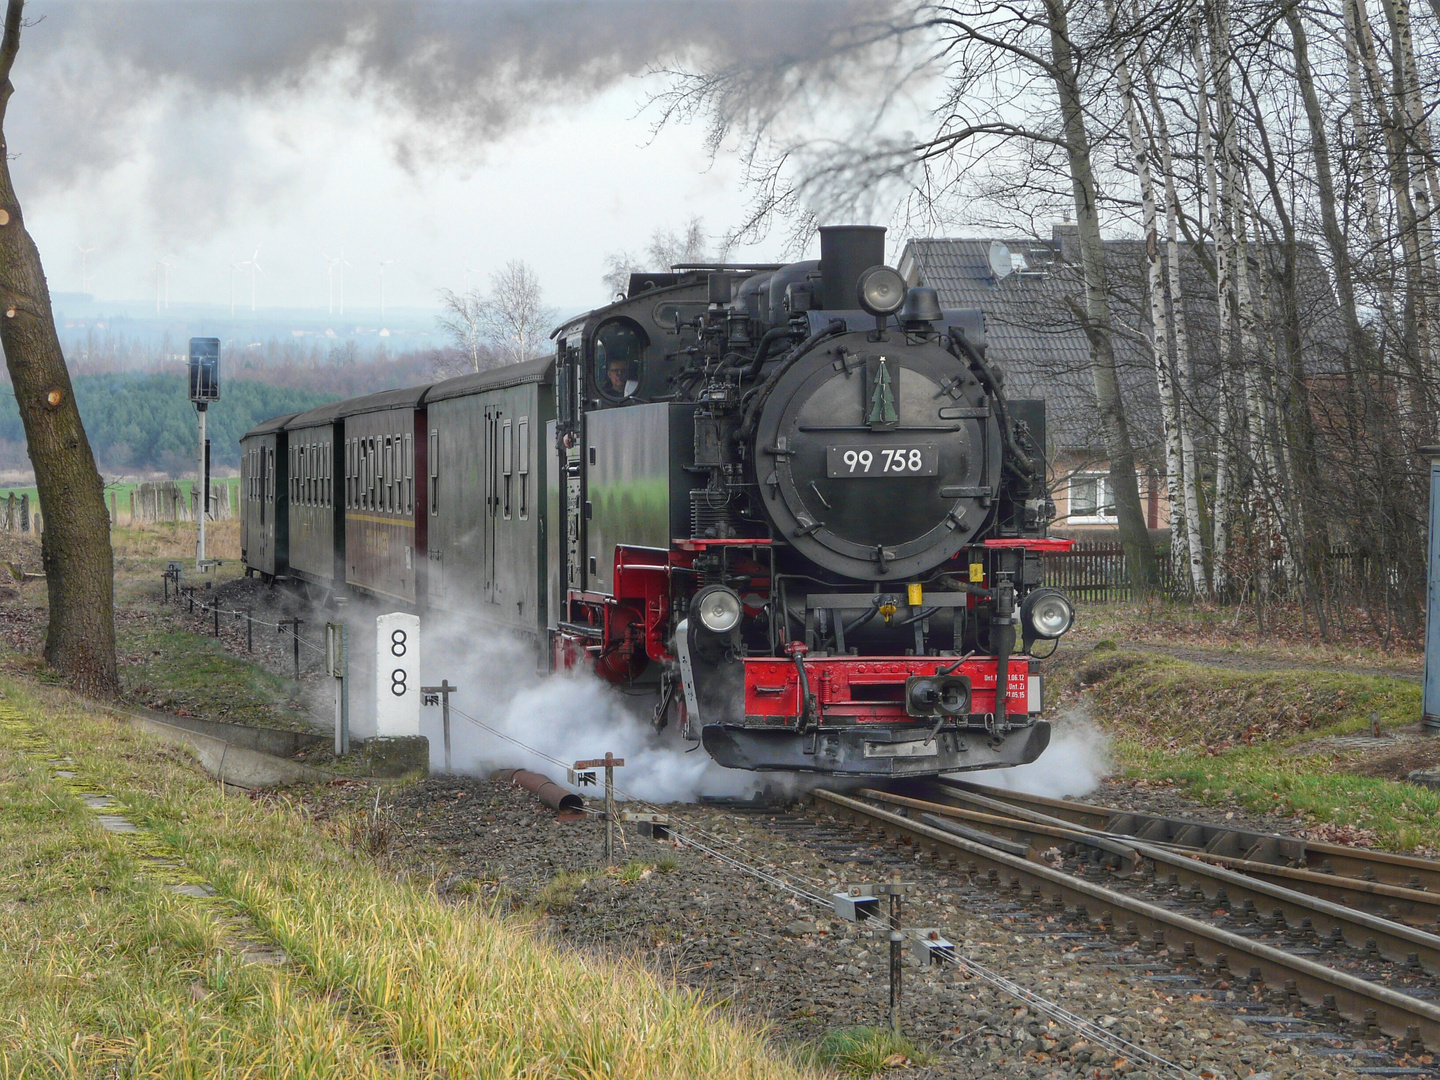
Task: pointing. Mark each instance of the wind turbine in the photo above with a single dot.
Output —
(465, 277)
(255, 268)
(332, 260)
(85, 276)
(383, 263)
(162, 280)
(167, 264)
(235, 268)
(341, 262)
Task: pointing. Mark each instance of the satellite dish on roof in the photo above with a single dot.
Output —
(1000, 262)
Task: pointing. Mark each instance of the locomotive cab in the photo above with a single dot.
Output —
(800, 509)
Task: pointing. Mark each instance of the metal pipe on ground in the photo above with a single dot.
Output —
(546, 790)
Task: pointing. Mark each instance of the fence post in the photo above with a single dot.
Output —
(24, 513)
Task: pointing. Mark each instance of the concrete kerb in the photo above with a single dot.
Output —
(231, 764)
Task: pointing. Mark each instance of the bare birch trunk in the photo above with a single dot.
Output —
(1220, 229)
(1155, 290)
(1369, 184)
(1325, 187)
(1184, 383)
(1415, 133)
(1416, 328)
(1134, 536)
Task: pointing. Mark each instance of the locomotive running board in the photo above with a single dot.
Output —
(856, 751)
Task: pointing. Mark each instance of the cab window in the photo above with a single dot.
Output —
(619, 359)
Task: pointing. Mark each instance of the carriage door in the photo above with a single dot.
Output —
(492, 495)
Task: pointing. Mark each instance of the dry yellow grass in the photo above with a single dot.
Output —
(103, 971)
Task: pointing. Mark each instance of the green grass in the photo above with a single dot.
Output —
(865, 1051)
(186, 672)
(1402, 816)
(1226, 734)
(105, 972)
(1185, 704)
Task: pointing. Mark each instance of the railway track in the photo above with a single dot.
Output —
(1344, 931)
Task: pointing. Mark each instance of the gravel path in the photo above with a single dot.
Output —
(755, 949)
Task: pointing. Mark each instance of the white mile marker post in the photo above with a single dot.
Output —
(397, 675)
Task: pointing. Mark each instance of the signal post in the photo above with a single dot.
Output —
(204, 388)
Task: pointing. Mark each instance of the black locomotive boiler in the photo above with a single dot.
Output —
(791, 502)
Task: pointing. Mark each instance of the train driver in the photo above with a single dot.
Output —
(619, 347)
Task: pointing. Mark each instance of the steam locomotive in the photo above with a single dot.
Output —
(791, 502)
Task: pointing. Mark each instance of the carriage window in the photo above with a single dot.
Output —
(393, 464)
(409, 500)
(270, 475)
(434, 471)
(312, 476)
(507, 461)
(377, 473)
(522, 453)
(619, 359)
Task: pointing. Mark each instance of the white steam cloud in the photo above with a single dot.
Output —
(1077, 759)
(569, 716)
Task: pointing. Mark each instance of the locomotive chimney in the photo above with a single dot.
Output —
(847, 251)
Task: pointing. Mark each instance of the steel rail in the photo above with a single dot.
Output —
(1415, 1021)
(1366, 864)
(1395, 941)
(1394, 903)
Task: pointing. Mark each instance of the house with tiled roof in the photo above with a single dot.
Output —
(1032, 295)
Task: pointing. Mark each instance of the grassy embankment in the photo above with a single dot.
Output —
(163, 664)
(1239, 734)
(105, 970)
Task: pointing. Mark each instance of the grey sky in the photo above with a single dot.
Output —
(441, 135)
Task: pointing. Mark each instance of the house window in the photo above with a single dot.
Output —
(1090, 499)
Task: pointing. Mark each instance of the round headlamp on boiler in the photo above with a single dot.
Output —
(881, 291)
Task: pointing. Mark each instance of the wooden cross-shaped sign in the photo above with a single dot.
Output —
(610, 763)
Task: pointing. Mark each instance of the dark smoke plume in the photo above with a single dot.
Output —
(449, 76)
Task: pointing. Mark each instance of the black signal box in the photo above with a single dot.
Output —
(204, 370)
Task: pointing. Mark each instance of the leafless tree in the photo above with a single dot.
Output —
(463, 317)
(667, 248)
(1012, 76)
(75, 546)
(509, 324)
(516, 322)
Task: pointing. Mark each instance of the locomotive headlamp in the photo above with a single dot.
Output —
(718, 608)
(1046, 613)
(881, 290)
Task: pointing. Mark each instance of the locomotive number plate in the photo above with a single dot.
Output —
(916, 748)
(922, 460)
